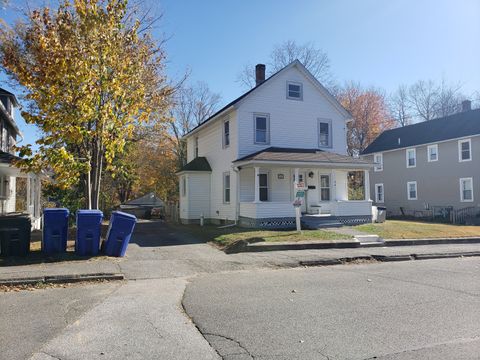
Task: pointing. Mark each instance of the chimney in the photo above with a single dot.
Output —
(466, 105)
(259, 74)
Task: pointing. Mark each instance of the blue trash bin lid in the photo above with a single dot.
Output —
(124, 214)
(56, 211)
(89, 212)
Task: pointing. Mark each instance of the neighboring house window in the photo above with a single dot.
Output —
(412, 190)
(226, 187)
(379, 194)
(466, 189)
(324, 187)
(411, 158)
(263, 189)
(378, 160)
(184, 185)
(262, 129)
(432, 152)
(4, 193)
(464, 150)
(196, 147)
(294, 90)
(226, 134)
(325, 133)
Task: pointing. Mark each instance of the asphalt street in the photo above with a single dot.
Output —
(410, 310)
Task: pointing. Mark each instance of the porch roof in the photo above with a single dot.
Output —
(198, 164)
(7, 158)
(295, 156)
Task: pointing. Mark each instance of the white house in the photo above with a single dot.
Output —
(243, 162)
(19, 191)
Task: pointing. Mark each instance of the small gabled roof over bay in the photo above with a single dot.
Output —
(455, 126)
(197, 164)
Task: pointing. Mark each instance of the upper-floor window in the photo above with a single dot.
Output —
(5, 139)
(466, 189)
(226, 187)
(412, 190)
(432, 153)
(226, 134)
(464, 150)
(378, 160)
(325, 133)
(294, 90)
(262, 129)
(379, 194)
(411, 158)
(196, 146)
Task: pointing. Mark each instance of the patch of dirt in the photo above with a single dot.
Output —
(43, 285)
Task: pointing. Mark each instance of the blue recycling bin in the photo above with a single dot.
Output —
(89, 226)
(55, 230)
(119, 233)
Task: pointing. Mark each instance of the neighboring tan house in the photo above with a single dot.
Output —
(19, 192)
(426, 166)
(243, 161)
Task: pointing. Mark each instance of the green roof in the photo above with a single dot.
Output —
(197, 164)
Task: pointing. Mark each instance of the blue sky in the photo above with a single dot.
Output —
(375, 42)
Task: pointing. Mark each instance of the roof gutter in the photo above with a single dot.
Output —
(210, 121)
(294, 163)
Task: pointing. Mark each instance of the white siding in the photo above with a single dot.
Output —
(293, 123)
(199, 199)
(247, 185)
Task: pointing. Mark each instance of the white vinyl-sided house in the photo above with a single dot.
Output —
(243, 162)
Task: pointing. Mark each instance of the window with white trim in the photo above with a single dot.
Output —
(432, 152)
(325, 133)
(466, 189)
(378, 160)
(184, 185)
(412, 190)
(325, 187)
(226, 134)
(294, 90)
(411, 158)
(262, 128)
(379, 193)
(226, 187)
(4, 187)
(263, 186)
(196, 146)
(465, 150)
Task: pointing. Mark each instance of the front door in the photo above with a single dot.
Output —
(325, 192)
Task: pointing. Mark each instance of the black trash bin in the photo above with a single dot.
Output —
(15, 233)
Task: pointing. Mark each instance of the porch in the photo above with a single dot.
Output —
(267, 191)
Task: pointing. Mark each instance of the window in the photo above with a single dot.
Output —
(325, 133)
(262, 129)
(184, 186)
(379, 194)
(378, 160)
(226, 187)
(412, 190)
(4, 188)
(411, 158)
(294, 91)
(196, 147)
(226, 134)
(263, 188)
(325, 187)
(466, 189)
(464, 150)
(432, 153)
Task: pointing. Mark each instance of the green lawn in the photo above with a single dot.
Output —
(227, 236)
(400, 229)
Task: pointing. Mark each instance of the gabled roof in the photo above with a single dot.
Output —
(303, 69)
(197, 164)
(149, 199)
(295, 155)
(10, 95)
(449, 127)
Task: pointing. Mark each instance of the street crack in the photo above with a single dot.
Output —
(229, 339)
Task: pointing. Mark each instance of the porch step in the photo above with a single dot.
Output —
(320, 222)
(370, 240)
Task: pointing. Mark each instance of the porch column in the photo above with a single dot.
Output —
(295, 181)
(257, 184)
(366, 183)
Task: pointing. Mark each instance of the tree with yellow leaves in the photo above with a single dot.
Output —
(91, 74)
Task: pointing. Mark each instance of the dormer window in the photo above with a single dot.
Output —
(294, 90)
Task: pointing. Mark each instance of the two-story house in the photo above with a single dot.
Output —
(19, 192)
(243, 161)
(432, 164)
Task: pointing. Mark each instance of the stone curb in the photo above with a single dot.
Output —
(61, 279)
(410, 242)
